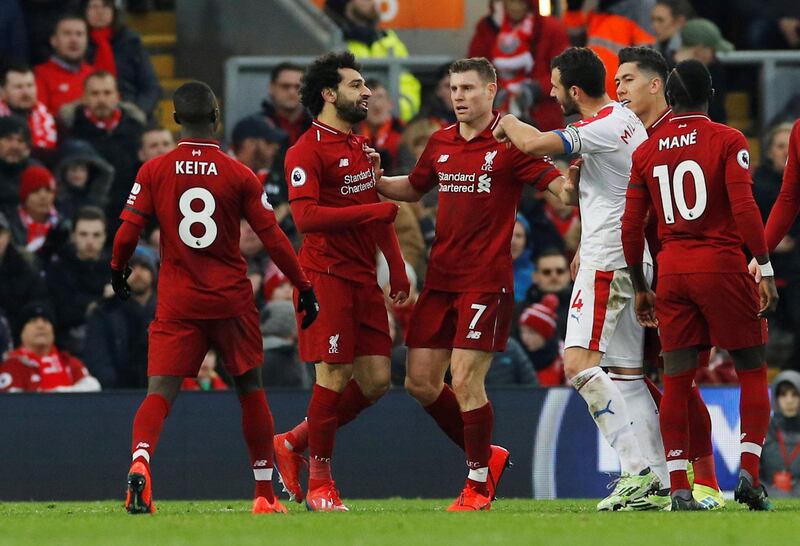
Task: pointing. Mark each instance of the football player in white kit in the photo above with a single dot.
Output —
(602, 330)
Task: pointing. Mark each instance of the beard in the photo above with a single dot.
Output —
(351, 112)
(569, 106)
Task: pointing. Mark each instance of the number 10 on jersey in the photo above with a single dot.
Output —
(674, 186)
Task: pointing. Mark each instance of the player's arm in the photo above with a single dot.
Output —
(529, 139)
(125, 241)
(398, 188)
(787, 205)
(310, 217)
(390, 246)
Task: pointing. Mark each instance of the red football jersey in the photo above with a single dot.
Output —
(787, 205)
(688, 169)
(480, 184)
(198, 194)
(332, 169)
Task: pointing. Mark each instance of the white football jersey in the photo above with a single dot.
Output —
(606, 142)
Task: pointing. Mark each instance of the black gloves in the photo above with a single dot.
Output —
(119, 282)
(307, 303)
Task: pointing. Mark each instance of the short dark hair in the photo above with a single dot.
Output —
(323, 74)
(581, 67)
(646, 58)
(14, 125)
(481, 65)
(283, 67)
(97, 75)
(678, 8)
(88, 212)
(195, 103)
(549, 253)
(19, 68)
(689, 86)
(116, 22)
(69, 16)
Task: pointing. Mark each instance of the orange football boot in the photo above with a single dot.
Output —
(262, 506)
(289, 465)
(470, 500)
(139, 499)
(325, 498)
(499, 461)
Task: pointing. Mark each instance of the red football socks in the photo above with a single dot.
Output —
(322, 419)
(701, 452)
(675, 427)
(350, 405)
(754, 411)
(147, 427)
(477, 443)
(447, 414)
(258, 429)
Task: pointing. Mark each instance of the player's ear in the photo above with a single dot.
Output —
(176, 118)
(329, 94)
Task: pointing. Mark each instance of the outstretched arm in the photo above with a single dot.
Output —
(309, 217)
(398, 188)
(528, 138)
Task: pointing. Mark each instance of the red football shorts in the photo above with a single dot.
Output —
(461, 320)
(178, 346)
(709, 309)
(352, 321)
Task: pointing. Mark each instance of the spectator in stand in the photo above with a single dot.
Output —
(18, 97)
(36, 214)
(277, 286)
(116, 330)
(773, 24)
(83, 178)
(20, 278)
(780, 458)
(438, 107)
(117, 49)
(701, 40)
(15, 151)
(512, 367)
(40, 18)
(382, 128)
(521, 43)
(6, 339)
(537, 333)
(256, 257)
(13, 38)
(114, 129)
(77, 278)
(521, 254)
(668, 18)
(283, 108)
(566, 219)
(207, 378)
(60, 80)
(282, 366)
(551, 276)
(360, 24)
(38, 365)
(155, 142)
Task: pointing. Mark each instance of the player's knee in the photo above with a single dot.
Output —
(376, 387)
(422, 390)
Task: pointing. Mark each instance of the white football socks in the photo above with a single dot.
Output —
(644, 414)
(608, 409)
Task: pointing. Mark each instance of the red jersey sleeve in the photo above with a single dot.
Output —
(739, 185)
(637, 205)
(256, 208)
(139, 206)
(423, 176)
(786, 207)
(303, 170)
(14, 376)
(536, 171)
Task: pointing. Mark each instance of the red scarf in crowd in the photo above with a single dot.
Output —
(37, 232)
(512, 55)
(104, 56)
(41, 123)
(51, 369)
(108, 124)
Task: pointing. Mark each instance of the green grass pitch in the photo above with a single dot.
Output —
(391, 522)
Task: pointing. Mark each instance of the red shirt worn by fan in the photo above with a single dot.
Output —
(480, 184)
(25, 371)
(695, 174)
(199, 194)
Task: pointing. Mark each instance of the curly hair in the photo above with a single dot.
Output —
(581, 67)
(323, 74)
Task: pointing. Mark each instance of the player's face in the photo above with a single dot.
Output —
(552, 274)
(636, 89)
(40, 202)
(518, 240)
(563, 96)
(664, 24)
(778, 152)
(352, 97)
(99, 14)
(14, 148)
(155, 143)
(20, 90)
(285, 91)
(471, 96)
(101, 96)
(70, 40)
(89, 236)
(789, 402)
(37, 334)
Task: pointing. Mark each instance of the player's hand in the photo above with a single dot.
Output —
(119, 282)
(386, 212)
(400, 288)
(646, 309)
(375, 159)
(573, 178)
(499, 132)
(768, 294)
(307, 305)
(575, 265)
(755, 270)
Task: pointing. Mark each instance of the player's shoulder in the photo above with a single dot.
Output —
(608, 115)
(445, 134)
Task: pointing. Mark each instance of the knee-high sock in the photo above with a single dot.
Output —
(321, 434)
(147, 427)
(258, 429)
(478, 425)
(644, 415)
(608, 409)
(675, 427)
(754, 412)
(701, 451)
(447, 414)
(350, 405)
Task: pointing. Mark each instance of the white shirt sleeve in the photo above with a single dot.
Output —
(590, 136)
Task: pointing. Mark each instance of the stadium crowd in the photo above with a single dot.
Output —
(78, 98)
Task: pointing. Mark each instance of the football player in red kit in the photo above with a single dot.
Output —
(464, 312)
(198, 195)
(695, 175)
(336, 205)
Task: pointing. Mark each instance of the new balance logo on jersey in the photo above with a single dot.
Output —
(675, 453)
(334, 344)
(196, 152)
(196, 167)
(473, 334)
(603, 411)
(344, 162)
(484, 184)
(488, 160)
(443, 158)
